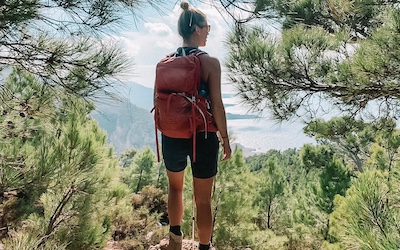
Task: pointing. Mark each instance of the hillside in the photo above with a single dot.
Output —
(137, 94)
(127, 125)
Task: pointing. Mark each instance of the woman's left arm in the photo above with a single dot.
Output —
(211, 73)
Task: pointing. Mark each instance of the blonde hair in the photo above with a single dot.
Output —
(189, 19)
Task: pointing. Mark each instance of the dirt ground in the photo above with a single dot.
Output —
(186, 245)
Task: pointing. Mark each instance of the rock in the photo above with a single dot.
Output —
(111, 245)
(149, 235)
(186, 245)
(156, 247)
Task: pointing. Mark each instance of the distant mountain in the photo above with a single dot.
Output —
(127, 125)
(137, 94)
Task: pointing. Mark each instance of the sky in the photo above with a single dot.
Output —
(149, 39)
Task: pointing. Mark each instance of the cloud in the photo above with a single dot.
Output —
(164, 44)
(148, 45)
(159, 29)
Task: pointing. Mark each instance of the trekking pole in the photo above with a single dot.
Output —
(193, 201)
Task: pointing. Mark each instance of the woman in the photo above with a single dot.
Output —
(194, 29)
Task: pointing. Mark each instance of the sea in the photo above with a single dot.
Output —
(259, 132)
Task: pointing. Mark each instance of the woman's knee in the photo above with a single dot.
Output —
(203, 201)
(176, 188)
(175, 181)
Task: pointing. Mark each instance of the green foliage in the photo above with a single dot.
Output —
(144, 162)
(28, 241)
(271, 189)
(334, 179)
(302, 203)
(57, 178)
(80, 181)
(232, 201)
(351, 137)
(364, 219)
(126, 158)
(60, 183)
(137, 228)
(288, 159)
(384, 153)
(142, 170)
(315, 157)
(64, 52)
(340, 51)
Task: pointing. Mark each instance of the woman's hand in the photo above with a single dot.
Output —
(227, 149)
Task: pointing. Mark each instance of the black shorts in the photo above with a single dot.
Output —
(176, 150)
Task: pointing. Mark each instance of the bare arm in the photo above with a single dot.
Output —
(211, 73)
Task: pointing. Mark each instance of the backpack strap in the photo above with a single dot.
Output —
(156, 130)
(197, 52)
(181, 51)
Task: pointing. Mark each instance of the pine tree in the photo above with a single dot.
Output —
(271, 189)
(60, 42)
(144, 170)
(127, 157)
(334, 179)
(141, 169)
(352, 138)
(363, 219)
(59, 178)
(335, 53)
(232, 201)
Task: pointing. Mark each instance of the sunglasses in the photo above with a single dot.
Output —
(207, 25)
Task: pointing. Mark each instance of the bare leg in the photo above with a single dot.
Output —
(202, 194)
(175, 197)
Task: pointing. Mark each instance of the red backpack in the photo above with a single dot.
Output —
(179, 110)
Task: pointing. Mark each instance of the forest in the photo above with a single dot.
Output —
(63, 187)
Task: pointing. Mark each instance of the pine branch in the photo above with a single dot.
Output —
(57, 213)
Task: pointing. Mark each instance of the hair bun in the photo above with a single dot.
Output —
(185, 5)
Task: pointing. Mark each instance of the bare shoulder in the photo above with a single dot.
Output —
(209, 62)
(210, 69)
